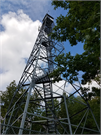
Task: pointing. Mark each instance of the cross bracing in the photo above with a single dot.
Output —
(34, 111)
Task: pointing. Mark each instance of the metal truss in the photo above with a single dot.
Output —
(35, 111)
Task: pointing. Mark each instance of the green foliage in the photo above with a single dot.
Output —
(65, 68)
(74, 107)
(95, 105)
(7, 96)
(81, 24)
(6, 99)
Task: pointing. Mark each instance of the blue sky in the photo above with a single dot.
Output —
(19, 22)
(35, 11)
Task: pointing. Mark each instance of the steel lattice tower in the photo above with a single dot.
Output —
(36, 104)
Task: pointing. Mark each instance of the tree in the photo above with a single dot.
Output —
(6, 99)
(81, 24)
(7, 96)
(74, 107)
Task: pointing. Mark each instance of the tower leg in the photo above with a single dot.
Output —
(70, 128)
(32, 85)
(24, 114)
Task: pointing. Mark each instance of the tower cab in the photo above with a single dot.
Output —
(47, 24)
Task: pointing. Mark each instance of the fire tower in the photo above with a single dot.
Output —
(34, 111)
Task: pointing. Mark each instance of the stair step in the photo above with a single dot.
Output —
(48, 101)
(47, 88)
(49, 113)
(51, 120)
(51, 130)
(46, 85)
(51, 117)
(52, 127)
(47, 91)
(51, 124)
(48, 95)
(49, 104)
(48, 107)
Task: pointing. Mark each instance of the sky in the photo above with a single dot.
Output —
(19, 22)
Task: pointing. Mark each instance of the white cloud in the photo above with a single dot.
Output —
(92, 84)
(69, 89)
(16, 43)
(60, 87)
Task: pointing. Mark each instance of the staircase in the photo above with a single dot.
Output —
(49, 105)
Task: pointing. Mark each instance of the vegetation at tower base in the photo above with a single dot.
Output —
(60, 111)
(6, 99)
(7, 96)
(81, 24)
(73, 107)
